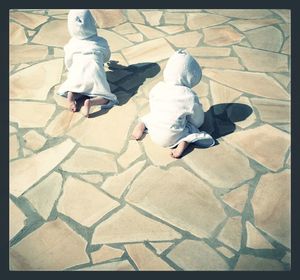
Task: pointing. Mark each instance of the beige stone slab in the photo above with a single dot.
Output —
(283, 79)
(166, 194)
(27, 53)
(135, 16)
(106, 18)
(221, 165)
(17, 34)
(255, 240)
(93, 178)
(241, 13)
(52, 12)
(147, 52)
(55, 33)
(145, 259)
(286, 28)
(231, 234)
(273, 111)
(171, 29)
(16, 219)
(116, 185)
(113, 266)
(197, 256)
(184, 40)
(225, 251)
(84, 203)
(136, 38)
(265, 144)
(106, 253)
(51, 239)
(237, 197)
(205, 103)
(24, 173)
(202, 89)
(174, 18)
(153, 17)
(223, 94)
(272, 206)
(267, 38)
(196, 21)
(149, 32)
(119, 58)
(254, 83)
(286, 48)
(262, 61)
(12, 129)
(221, 36)
(245, 25)
(57, 52)
(116, 122)
(43, 196)
(128, 225)
(160, 247)
(125, 28)
(132, 153)
(209, 51)
(34, 82)
(252, 263)
(14, 147)
(30, 20)
(115, 41)
(221, 63)
(287, 258)
(27, 152)
(30, 114)
(89, 160)
(285, 14)
(33, 140)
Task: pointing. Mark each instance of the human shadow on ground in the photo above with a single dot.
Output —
(124, 81)
(220, 121)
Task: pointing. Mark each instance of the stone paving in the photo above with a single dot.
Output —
(85, 196)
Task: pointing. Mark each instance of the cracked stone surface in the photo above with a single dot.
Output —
(85, 196)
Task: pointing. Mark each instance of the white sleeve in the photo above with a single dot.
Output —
(197, 114)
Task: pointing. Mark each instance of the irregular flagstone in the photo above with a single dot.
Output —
(249, 262)
(51, 239)
(107, 18)
(245, 25)
(149, 32)
(29, 20)
(123, 117)
(52, 12)
(113, 266)
(221, 36)
(60, 100)
(286, 28)
(255, 240)
(126, 28)
(196, 255)
(43, 196)
(223, 63)
(267, 38)
(93, 178)
(58, 52)
(137, 37)
(187, 39)
(174, 18)
(17, 34)
(254, 83)
(222, 94)
(132, 153)
(27, 53)
(116, 185)
(286, 49)
(24, 173)
(285, 14)
(84, 203)
(160, 247)
(145, 259)
(196, 21)
(209, 51)
(241, 13)
(147, 52)
(35, 82)
(201, 89)
(191, 207)
(263, 61)
(262, 144)
(34, 140)
(119, 58)
(27, 152)
(106, 253)
(273, 110)
(237, 198)
(287, 258)
(30, 114)
(153, 17)
(115, 41)
(12, 129)
(225, 251)
(16, 219)
(135, 16)
(283, 79)
(221, 165)
(205, 103)
(171, 29)
(14, 147)
(54, 33)
(88, 160)
(272, 206)
(128, 225)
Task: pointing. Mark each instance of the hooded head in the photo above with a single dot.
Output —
(81, 24)
(182, 69)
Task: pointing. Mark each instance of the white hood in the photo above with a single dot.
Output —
(182, 69)
(81, 24)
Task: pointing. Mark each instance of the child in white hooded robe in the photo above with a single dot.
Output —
(85, 55)
(175, 111)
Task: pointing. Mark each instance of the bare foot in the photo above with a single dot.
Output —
(86, 108)
(177, 152)
(138, 131)
(72, 101)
